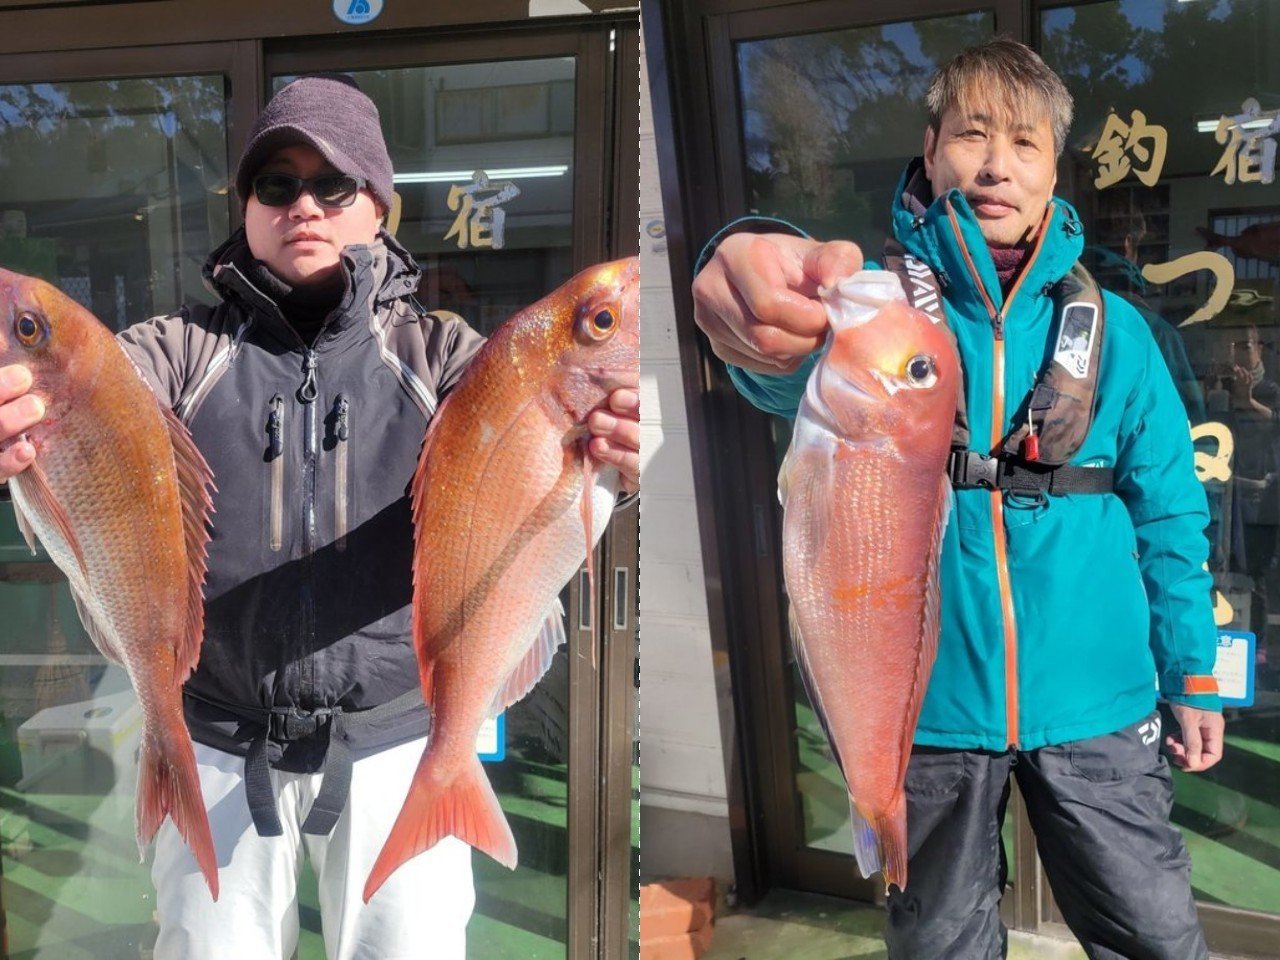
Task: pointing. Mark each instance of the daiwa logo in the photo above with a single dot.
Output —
(356, 12)
(924, 289)
(1150, 731)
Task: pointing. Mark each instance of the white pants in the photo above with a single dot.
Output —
(421, 913)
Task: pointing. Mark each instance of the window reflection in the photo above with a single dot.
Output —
(829, 119)
(114, 190)
(1169, 61)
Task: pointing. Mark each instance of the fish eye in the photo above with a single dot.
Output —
(921, 371)
(30, 329)
(599, 325)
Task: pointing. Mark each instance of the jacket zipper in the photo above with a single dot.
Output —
(1010, 624)
(307, 394)
(342, 432)
(275, 454)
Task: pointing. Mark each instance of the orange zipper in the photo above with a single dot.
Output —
(997, 499)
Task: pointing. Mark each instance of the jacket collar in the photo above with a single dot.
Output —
(375, 273)
(944, 233)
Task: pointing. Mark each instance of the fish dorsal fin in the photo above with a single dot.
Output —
(195, 486)
(24, 526)
(101, 639)
(535, 663)
(33, 486)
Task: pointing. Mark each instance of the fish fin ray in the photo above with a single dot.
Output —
(97, 633)
(930, 622)
(169, 784)
(880, 843)
(866, 842)
(810, 685)
(24, 526)
(535, 663)
(810, 480)
(588, 488)
(33, 486)
(195, 486)
(467, 809)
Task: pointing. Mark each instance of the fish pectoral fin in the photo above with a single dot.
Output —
(811, 501)
(534, 665)
(195, 483)
(33, 487)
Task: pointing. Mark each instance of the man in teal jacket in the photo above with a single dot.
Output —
(1061, 613)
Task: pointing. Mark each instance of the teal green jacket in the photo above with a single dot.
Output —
(1057, 617)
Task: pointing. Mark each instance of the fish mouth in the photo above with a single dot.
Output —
(848, 385)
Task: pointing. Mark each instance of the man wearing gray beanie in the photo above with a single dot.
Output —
(308, 389)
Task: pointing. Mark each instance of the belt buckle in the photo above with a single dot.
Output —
(973, 469)
(294, 724)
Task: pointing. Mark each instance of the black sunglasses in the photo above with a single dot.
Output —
(329, 189)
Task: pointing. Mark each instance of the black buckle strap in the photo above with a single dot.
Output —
(970, 470)
(285, 724)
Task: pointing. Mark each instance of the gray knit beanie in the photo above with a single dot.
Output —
(330, 113)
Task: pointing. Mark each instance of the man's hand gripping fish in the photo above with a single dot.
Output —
(119, 496)
(507, 504)
(865, 501)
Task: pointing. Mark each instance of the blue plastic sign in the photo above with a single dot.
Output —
(356, 12)
(491, 742)
(1235, 667)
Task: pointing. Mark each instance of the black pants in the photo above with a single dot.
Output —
(1100, 810)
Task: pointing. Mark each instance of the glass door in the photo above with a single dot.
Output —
(112, 189)
(501, 179)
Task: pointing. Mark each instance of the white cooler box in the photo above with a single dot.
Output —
(109, 725)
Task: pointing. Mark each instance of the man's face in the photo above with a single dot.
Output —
(301, 243)
(1247, 352)
(1005, 169)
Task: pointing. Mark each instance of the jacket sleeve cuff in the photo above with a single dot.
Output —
(1192, 690)
(751, 224)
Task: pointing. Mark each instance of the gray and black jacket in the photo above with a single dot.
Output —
(307, 598)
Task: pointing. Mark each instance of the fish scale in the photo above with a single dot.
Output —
(864, 504)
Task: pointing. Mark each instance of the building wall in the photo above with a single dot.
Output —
(683, 810)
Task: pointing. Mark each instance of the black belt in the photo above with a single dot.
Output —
(970, 470)
(285, 724)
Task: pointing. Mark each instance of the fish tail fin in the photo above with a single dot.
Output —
(169, 785)
(1211, 239)
(880, 843)
(866, 842)
(467, 809)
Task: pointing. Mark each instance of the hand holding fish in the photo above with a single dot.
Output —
(615, 436)
(19, 412)
(757, 298)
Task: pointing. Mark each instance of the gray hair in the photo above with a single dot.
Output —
(1009, 76)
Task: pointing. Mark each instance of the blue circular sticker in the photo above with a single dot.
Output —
(356, 12)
